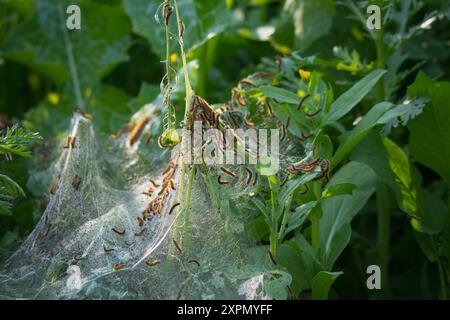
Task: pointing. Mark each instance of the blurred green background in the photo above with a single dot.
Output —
(117, 58)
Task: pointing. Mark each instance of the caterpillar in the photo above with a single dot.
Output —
(119, 231)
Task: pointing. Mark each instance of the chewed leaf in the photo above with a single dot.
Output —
(402, 114)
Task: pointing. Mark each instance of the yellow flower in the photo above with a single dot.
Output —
(88, 92)
(53, 98)
(173, 58)
(301, 93)
(304, 74)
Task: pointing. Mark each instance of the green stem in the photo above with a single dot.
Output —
(187, 82)
(383, 211)
(188, 206)
(188, 102)
(168, 66)
(383, 198)
(273, 242)
(274, 222)
(71, 62)
(442, 280)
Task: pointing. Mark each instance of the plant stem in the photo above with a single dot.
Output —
(71, 62)
(274, 222)
(381, 62)
(442, 280)
(187, 82)
(188, 100)
(168, 69)
(383, 212)
(188, 206)
(382, 194)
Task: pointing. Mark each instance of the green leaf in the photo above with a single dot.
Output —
(322, 283)
(203, 20)
(289, 257)
(393, 166)
(352, 138)
(298, 217)
(431, 213)
(262, 207)
(430, 132)
(16, 141)
(147, 94)
(81, 56)
(289, 188)
(275, 284)
(323, 145)
(297, 28)
(282, 95)
(338, 212)
(107, 105)
(338, 190)
(347, 101)
(9, 190)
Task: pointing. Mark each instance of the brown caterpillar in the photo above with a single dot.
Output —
(173, 207)
(55, 184)
(76, 182)
(140, 233)
(181, 28)
(194, 261)
(256, 178)
(177, 245)
(288, 122)
(140, 221)
(70, 142)
(167, 12)
(79, 257)
(137, 130)
(222, 182)
(117, 266)
(312, 114)
(269, 107)
(119, 231)
(302, 101)
(106, 250)
(247, 82)
(154, 183)
(85, 115)
(153, 263)
(249, 175)
(305, 191)
(229, 172)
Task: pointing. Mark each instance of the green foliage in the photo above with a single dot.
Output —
(322, 283)
(372, 105)
(202, 19)
(16, 141)
(430, 133)
(297, 26)
(9, 190)
(346, 102)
